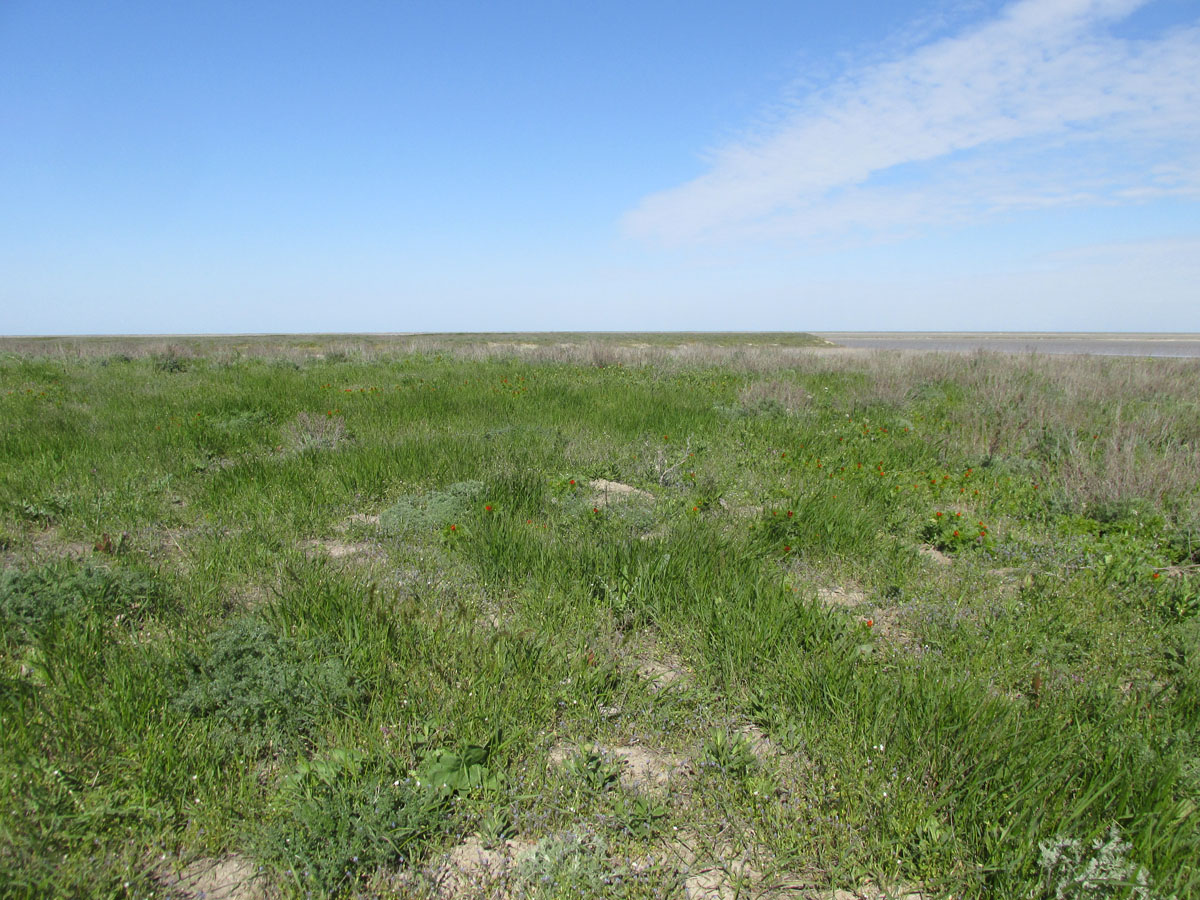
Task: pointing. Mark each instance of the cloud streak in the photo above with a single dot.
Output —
(1042, 106)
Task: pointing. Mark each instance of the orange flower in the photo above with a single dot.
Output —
(870, 623)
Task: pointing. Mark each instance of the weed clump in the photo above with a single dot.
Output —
(311, 433)
(729, 753)
(259, 687)
(594, 770)
(433, 510)
(343, 817)
(34, 603)
(1075, 872)
(572, 865)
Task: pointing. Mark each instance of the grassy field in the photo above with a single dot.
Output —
(561, 616)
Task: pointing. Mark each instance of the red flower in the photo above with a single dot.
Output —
(956, 533)
(572, 482)
(789, 513)
(453, 527)
(938, 514)
(787, 548)
(870, 623)
(488, 508)
(595, 509)
(1155, 575)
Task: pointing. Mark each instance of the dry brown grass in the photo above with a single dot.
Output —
(1114, 428)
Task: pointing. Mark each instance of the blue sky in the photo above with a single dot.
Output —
(283, 167)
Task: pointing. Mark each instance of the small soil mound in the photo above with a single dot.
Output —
(647, 769)
(889, 625)
(662, 672)
(760, 745)
(230, 878)
(612, 491)
(473, 868)
(642, 768)
(933, 553)
(848, 597)
(359, 519)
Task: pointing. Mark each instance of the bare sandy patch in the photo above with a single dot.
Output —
(889, 625)
(337, 549)
(663, 672)
(932, 553)
(760, 745)
(474, 869)
(847, 596)
(642, 768)
(714, 870)
(613, 491)
(229, 878)
(875, 892)
(50, 544)
(366, 519)
(662, 669)
(722, 881)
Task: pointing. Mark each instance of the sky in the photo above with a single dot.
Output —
(234, 167)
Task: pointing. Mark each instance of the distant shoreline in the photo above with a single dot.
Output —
(1181, 345)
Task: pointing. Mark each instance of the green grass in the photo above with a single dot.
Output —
(352, 603)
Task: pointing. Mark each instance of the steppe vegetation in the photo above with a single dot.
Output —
(548, 616)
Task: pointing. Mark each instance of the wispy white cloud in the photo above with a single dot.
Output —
(1041, 106)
